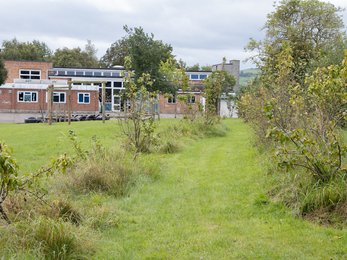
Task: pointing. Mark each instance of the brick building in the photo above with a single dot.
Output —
(25, 89)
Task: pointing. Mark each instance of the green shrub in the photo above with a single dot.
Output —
(113, 174)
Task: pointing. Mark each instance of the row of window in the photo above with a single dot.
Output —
(174, 101)
(58, 97)
(197, 76)
(107, 85)
(84, 73)
(82, 98)
(36, 74)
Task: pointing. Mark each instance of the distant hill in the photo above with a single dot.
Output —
(247, 75)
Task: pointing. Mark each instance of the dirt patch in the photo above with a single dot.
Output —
(335, 216)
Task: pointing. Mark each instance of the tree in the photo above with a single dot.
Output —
(3, 72)
(216, 84)
(146, 55)
(195, 67)
(76, 57)
(32, 51)
(206, 68)
(116, 54)
(310, 27)
(136, 126)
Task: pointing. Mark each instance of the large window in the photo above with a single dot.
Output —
(30, 74)
(83, 98)
(27, 96)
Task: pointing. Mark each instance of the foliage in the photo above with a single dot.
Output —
(182, 90)
(76, 57)
(216, 84)
(31, 51)
(315, 142)
(3, 72)
(138, 125)
(195, 67)
(206, 68)
(146, 55)
(10, 181)
(116, 54)
(310, 27)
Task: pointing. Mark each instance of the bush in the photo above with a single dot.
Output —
(113, 173)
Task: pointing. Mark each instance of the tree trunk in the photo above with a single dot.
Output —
(4, 215)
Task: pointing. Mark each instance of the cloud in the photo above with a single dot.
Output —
(199, 31)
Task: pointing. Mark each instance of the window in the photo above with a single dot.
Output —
(117, 84)
(171, 100)
(70, 73)
(58, 97)
(202, 76)
(27, 96)
(194, 76)
(191, 100)
(107, 74)
(88, 73)
(84, 98)
(30, 74)
(97, 73)
(79, 73)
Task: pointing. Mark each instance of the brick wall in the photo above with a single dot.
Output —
(9, 102)
(13, 68)
(166, 108)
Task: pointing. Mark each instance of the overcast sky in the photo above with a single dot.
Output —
(199, 31)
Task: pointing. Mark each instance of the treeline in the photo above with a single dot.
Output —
(297, 106)
(134, 42)
(146, 56)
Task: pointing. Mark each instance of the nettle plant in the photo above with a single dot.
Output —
(315, 141)
(138, 124)
(11, 183)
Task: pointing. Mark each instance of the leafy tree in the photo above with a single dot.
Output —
(314, 143)
(206, 68)
(195, 67)
(146, 55)
(136, 126)
(310, 27)
(32, 51)
(3, 72)
(76, 57)
(116, 54)
(216, 84)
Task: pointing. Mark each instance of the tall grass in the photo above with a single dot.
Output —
(45, 238)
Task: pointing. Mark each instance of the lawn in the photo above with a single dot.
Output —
(209, 201)
(35, 144)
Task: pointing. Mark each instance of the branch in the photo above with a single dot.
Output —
(35, 195)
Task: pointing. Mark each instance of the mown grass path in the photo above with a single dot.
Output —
(207, 205)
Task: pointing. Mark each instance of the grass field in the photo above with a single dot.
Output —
(35, 144)
(208, 203)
